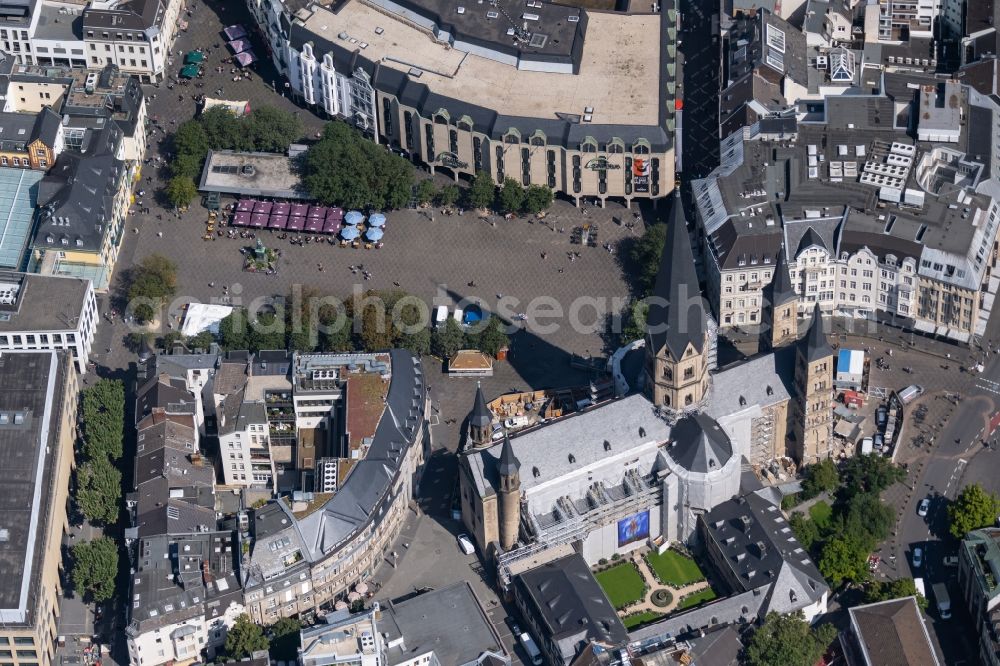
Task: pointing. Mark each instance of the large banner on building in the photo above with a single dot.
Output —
(634, 528)
(640, 174)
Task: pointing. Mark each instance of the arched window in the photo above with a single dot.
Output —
(442, 117)
(640, 147)
(537, 139)
(512, 136)
(616, 146)
(589, 145)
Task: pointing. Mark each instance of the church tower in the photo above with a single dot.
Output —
(480, 421)
(779, 313)
(509, 495)
(813, 415)
(677, 338)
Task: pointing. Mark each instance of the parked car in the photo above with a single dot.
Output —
(924, 507)
(918, 557)
(950, 560)
(465, 543)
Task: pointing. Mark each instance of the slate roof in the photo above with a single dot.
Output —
(762, 380)
(676, 313)
(509, 464)
(781, 291)
(699, 444)
(76, 198)
(481, 416)
(570, 605)
(815, 343)
(892, 633)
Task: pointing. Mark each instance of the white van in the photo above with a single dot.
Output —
(440, 314)
(465, 543)
(457, 315)
(910, 393)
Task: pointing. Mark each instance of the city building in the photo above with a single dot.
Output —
(30, 141)
(978, 576)
(446, 627)
(565, 608)
(873, 224)
(46, 313)
(185, 590)
(577, 100)
(83, 202)
(308, 549)
(38, 406)
(972, 25)
(888, 632)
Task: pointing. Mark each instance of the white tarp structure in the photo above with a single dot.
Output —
(237, 107)
(204, 317)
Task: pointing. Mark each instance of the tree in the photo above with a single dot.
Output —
(482, 191)
(493, 338)
(788, 640)
(347, 169)
(633, 321)
(99, 490)
(190, 138)
(203, 340)
(820, 477)
(511, 196)
(894, 589)
(284, 635)
(103, 408)
(233, 332)
(537, 198)
(181, 191)
(272, 130)
(223, 130)
(645, 254)
(186, 165)
(867, 520)
(842, 560)
(448, 195)
(244, 638)
(804, 529)
(425, 191)
(447, 339)
(266, 332)
(95, 566)
(150, 283)
(377, 333)
(972, 509)
(418, 342)
(870, 473)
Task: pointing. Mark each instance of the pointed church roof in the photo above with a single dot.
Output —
(816, 346)
(679, 320)
(810, 239)
(481, 416)
(781, 289)
(509, 464)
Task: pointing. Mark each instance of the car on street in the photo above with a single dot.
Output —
(924, 507)
(918, 557)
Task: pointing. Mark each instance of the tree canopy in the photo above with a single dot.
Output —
(425, 191)
(482, 191)
(346, 169)
(972, 509)
(103, 419)
(893, 589)
(284, 637)
(181, 191)
(244, 638)
(99, 490)
(843, 559)
(645, 254)
(150, 284)
(447, 339)
(95, 566)
(511, 196)
(871, 473)
(537, 198)
(788, 640)
(819, 478)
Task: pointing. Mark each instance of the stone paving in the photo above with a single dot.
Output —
(647, 605)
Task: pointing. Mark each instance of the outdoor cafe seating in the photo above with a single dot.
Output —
(311, 219)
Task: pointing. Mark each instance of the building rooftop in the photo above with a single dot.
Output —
(618, 82)
(892, 633)
(569, 601)
(251, 174)
(31, 388)
(18, 199)
(573, 443)
(59, 23)
(30, 302)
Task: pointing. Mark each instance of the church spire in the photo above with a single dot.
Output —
(781, 289)
(509, 464)
(481, 416)
(816, 346)
(680, 320)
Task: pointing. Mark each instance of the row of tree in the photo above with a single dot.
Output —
(99, 482)
(99, 486)
(264, 129)
(373, 321)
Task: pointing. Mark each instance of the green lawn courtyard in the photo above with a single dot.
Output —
(697, 598)
(674, 568)
(633, 621)
(820, 512)
(622, 583)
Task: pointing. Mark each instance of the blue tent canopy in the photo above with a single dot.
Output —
(376, 220)
(353, 217)
(374, 234)
(349, 233)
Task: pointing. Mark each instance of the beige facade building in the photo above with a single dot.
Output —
(37, 435)
(579, 101)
